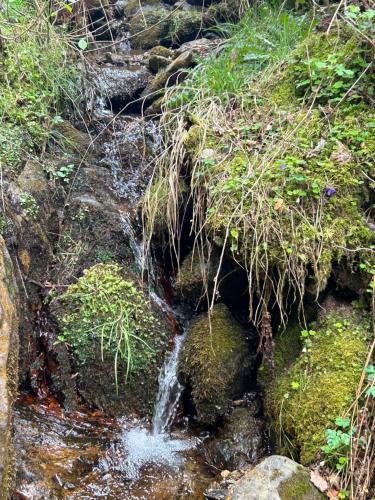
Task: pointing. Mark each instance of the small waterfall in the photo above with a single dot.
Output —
(169, 390)
(158, 447)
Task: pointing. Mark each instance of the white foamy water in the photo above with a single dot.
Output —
(143, 448)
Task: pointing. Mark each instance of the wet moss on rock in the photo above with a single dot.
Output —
(215, 363)
(160, 26)
(298, 487)
(307, 395)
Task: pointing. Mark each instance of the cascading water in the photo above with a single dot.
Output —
(169, 390)
(158, 447)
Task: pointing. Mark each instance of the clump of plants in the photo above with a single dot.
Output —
(35, 74)
(281, 155)
(107, 309)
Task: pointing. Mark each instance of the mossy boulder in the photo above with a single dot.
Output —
(160, 26)
(309, 393)
(276, 478)
(215, 363)
(195, 274)
(116, 337)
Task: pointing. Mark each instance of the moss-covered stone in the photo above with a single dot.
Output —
(215, 362)
(298, 487)
(160, 26)
(195, 276)
(310, 393)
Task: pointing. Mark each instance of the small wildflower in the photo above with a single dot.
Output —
(282, 167)
(330, 191)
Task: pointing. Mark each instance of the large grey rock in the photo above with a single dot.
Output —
(276, 478)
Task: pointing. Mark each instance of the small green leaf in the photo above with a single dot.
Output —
(343, 422)
(82, 44)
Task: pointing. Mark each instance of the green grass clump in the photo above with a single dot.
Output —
(265, 35)
(108, 309)
(280, 165)
(307, 396)
(35, 74)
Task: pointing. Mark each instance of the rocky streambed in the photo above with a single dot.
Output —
(78, 433)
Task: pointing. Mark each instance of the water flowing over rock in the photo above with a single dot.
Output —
(169, 390)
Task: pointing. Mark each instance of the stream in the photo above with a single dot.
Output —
(82, 455)
(85, 453)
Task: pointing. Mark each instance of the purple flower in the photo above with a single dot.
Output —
(282, 167)
(330, 191)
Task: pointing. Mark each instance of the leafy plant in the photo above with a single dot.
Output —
(29, 205)
(106, 309)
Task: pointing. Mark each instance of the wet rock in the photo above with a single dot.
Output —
(275, 478)
(120, 84)
(169, 76)
(215, 363)
(240, 441)
(161, 26)
(8, 366)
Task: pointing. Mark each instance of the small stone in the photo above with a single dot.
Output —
(225, 473)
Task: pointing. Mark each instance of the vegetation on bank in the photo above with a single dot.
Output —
(35, 75)
(309, 394)
(281, 151)
(271, 144)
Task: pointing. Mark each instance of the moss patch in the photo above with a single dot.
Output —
(298, 487)
(320, 385)
(214, 362)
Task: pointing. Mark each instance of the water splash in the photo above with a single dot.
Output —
(143, 448)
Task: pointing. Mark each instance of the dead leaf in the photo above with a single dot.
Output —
(319, 481)
(279, 204)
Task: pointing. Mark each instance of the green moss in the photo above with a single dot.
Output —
(211, 362)
(298, 487)
(106, 308)
(308, 395)
(292, 163)
(158, 26)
